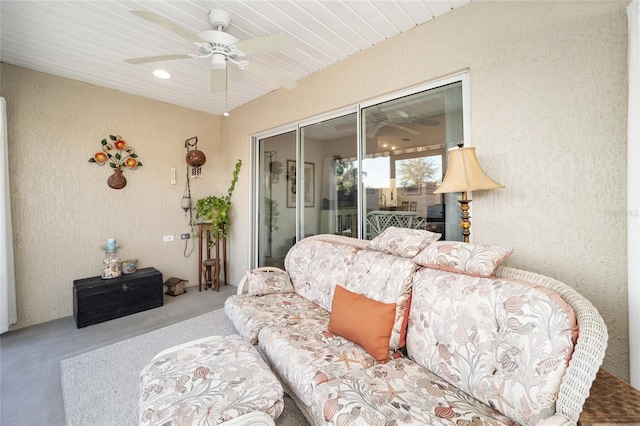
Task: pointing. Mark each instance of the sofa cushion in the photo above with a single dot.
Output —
(399, 392)
(307, 354)
(471, 259)
(501, 341)
(403, 242)
(268, 282)
(387, 279)
(249, 314)
(363, 321)
(316, 266)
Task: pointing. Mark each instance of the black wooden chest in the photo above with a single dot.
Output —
(96, 300)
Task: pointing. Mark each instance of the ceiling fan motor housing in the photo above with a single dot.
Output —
(219, 47)
(218, 38)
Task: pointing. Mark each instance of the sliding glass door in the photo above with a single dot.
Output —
(329, 149)
(359, 171)
(306, 188)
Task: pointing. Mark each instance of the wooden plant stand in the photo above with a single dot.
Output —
(208, 267)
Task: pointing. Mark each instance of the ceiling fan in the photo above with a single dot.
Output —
(378, 122)
(424, 121)
(221, 47)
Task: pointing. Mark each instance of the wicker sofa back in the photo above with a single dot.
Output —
(502, 347)
(501, 341)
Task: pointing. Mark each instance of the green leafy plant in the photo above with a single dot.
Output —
(215, 210)
(272, 213)
(346, 175)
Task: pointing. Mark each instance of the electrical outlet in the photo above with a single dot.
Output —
(167, 238)
(185, 236)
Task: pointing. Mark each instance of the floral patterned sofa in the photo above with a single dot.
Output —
(405, 329)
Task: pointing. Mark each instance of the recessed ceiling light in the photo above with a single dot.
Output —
(165, 75)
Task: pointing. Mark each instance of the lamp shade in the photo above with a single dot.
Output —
(465, 174)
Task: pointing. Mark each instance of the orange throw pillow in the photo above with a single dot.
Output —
(363, 321)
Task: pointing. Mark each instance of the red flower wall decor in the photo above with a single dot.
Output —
(119, 154)
(125, 155)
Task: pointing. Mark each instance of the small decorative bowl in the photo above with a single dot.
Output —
(129, 266)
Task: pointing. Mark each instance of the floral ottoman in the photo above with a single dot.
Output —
(208, 381)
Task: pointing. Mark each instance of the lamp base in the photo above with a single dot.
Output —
(465, 224)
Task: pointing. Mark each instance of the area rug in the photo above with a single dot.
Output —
(101, 387)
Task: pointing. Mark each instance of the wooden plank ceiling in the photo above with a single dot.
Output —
(88, 40)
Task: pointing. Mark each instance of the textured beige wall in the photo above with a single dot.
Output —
(63, 209)
(548, 118)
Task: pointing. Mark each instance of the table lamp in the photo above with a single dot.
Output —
(465, 174)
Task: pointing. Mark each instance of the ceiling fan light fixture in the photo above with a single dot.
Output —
(162, 74)
(218, 61)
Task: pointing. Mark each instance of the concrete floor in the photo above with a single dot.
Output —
(30, 384)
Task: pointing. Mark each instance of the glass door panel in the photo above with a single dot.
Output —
(406, 142)
(417, 178)
(277, 222)
(330, 193)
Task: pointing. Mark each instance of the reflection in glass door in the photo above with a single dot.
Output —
(276, 224)
(417, 178)
(329, 152)
(405, 157)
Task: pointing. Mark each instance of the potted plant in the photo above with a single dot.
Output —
(215, 210)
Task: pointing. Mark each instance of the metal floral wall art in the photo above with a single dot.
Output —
(119, 154)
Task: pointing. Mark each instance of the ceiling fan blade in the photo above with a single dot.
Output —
(167, 24)
(406, 118)
(219, 80)
(272, 76)
(428, 122)
(406, 129)
(147, 59)
(268, 43)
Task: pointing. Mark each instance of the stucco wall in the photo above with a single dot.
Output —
(62, 208)
(548, 118)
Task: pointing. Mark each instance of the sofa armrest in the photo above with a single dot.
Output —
(243, 282)
(590, 347)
